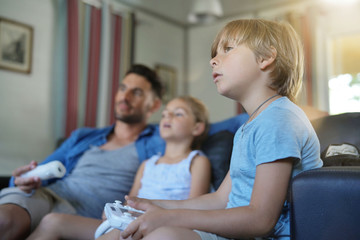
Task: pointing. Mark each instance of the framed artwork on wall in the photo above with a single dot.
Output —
(15, 46)
(167, 75)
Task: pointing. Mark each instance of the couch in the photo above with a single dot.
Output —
(324, 202)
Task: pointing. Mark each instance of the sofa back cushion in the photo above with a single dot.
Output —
(218, 148)
(338, 129)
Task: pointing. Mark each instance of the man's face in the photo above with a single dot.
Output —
(134, 99)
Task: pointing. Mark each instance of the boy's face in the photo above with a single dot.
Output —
(235, 71)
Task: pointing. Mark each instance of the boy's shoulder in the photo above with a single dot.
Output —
(284, 115)
(284, 110)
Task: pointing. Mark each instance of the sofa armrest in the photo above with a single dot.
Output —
(324, 204)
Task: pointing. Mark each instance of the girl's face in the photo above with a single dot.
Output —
(178, 121)
(234, 70)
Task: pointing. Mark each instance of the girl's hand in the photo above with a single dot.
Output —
(29, 183)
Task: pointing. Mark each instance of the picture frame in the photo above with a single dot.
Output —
(16, 41)
(168, 77)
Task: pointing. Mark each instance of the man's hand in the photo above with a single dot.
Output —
(29, 183)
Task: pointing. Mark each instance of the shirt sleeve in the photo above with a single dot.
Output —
(281, 136)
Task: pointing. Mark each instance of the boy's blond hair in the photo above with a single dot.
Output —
(201, 114)
(262, 37)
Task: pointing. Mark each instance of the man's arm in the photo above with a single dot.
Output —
(58, 154)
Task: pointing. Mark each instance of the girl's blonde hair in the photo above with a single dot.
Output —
(201, 114)
(262, 37)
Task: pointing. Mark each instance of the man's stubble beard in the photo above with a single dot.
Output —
(134, 118)
(130, 119)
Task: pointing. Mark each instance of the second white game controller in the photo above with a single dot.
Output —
(53, 169)
(118, 216)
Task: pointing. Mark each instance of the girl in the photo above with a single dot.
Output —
(183, 126)
(259, 64)
(182, 172)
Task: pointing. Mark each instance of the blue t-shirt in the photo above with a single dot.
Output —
(281, 131)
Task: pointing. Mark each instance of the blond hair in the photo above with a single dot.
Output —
(201, 114)
(262, 37)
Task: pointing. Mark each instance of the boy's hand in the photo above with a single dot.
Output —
(147, 223)
(29, 183)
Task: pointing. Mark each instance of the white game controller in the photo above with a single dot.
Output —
(118, 216)
(53, 169)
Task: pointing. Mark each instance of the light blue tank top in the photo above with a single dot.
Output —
(167, 181)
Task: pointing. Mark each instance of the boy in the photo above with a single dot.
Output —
(258, 63)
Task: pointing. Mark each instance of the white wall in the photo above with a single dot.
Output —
(25, 113)
(159, 42)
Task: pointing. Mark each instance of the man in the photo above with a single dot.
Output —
(100, 163)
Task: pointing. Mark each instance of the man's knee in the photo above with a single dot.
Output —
(14, 220)
(5, 217)
(13, 213)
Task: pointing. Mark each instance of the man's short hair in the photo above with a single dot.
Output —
(150, 75)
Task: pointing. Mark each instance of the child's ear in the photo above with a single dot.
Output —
(199, 128)
(266, 62)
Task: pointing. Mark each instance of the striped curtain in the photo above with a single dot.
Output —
(98, 43)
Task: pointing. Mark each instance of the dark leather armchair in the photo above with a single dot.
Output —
(325, 202)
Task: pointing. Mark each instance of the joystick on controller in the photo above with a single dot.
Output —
(53, 169)
(118, 216)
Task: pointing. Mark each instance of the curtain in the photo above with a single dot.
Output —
(98, 43)
(301, 22)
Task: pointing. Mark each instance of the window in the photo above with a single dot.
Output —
(344, 83)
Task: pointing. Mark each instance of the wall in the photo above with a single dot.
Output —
(160, 42)
(25, 125)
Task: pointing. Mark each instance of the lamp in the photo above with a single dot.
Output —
(205, 11)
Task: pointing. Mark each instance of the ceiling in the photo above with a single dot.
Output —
(177, 11)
